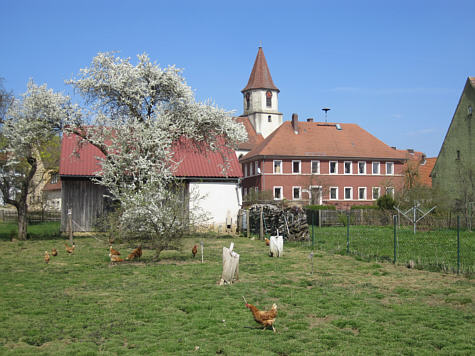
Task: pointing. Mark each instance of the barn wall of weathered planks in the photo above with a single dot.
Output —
(86, 200)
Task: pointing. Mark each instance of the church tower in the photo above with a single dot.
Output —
(260, 97)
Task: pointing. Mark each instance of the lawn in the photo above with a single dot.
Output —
(81, 304)
(434, 250)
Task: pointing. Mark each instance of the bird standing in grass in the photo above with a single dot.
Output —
(194, 250)
(46, 257)
(54, 252)
(266, 318)
(70, 249)
(267, 241)
(136, 253)
(113, 251)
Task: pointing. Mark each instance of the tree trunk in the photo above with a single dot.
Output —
(22, 221)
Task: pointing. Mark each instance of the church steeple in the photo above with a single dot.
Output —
(261, 98)
(260, 77)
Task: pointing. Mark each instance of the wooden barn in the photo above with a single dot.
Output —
(87, 201)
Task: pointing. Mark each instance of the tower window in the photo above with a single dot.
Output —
(248, 101)
(269, 118)
(458, 154)
(269, 99)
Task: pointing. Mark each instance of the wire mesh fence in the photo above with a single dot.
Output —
(437, 244)
(32, 216)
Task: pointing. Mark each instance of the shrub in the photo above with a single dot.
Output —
(386, 202)
(320, 207)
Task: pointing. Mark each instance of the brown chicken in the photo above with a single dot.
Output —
(54, 252)
(70, 249)
(46, 257)
(265, 318)
(194, 250)
(115, 258)
(267, 241)
(136, 253)
(113, 251)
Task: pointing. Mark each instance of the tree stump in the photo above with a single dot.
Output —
(230, 265)
(276, 246)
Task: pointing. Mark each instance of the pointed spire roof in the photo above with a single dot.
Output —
(260, 76)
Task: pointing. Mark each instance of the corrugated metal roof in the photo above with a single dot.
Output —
(82, 161)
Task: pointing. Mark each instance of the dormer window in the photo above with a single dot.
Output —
(269, 99)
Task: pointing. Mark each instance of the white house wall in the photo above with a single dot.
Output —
(218, 200)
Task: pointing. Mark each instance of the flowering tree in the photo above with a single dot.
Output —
(28, 126)
(136, 115)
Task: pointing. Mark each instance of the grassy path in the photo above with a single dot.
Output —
(80, 304)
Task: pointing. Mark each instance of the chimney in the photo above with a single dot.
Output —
(295, 123)
(310, 119)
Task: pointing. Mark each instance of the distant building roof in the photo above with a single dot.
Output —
(84, 163)
(253, 138)
(425, 170)
(260, 77)
(320, 139)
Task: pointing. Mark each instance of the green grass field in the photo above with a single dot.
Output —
(432, 250)
(81, 304)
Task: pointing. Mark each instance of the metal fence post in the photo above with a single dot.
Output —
(458, 244)
(395, 237)
(313, 227)
(348, 232)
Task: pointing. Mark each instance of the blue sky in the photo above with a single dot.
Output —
(396, 68)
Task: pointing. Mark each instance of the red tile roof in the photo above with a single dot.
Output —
(260, 77)
(253, 139)
(425, 171)
(195, 164)
(319, 139)
(53, 186)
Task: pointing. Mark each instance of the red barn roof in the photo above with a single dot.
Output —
(83, 162)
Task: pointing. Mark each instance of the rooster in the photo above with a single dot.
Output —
(113, 251)
(265, 318)
(70, 249)
(194, 250)
(54, 252)
(46, 257)
(136, 253)
(267, 241)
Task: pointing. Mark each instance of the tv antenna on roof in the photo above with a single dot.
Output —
(326, 111)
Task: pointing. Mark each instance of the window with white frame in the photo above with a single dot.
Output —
(296, 193)
(256, 164)
(390, 168)
(361, 167)
(333, 193)
(333, 167)
(277, 167)
(390, 191)
(296, 167)
(251, 166)
(376, 193)
(315, 166)
(245, 169)
(348, 193)
(362, 193)
(347, 165)
(375, 167)
(278, 193)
